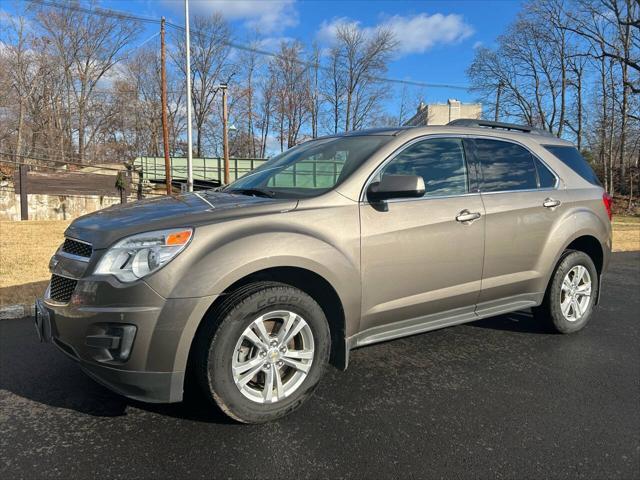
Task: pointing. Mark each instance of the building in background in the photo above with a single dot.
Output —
(443, 113)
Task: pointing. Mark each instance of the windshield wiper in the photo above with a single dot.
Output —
(254, 192)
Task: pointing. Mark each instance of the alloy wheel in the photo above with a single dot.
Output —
(575, 293)
(273, 356)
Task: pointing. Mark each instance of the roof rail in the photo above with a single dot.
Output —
(469, 122)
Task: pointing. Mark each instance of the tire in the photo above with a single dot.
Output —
(225, 347)
(558, 310)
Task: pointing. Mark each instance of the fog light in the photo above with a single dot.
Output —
(113, 342)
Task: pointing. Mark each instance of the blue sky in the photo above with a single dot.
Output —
(437, 37)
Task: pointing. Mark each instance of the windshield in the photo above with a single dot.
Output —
(309, 169)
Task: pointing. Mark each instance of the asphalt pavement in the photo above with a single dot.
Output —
(498, 398)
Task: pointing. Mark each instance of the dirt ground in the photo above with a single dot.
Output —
(26, 247)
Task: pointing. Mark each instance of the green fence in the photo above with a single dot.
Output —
(211, 169)
(304, 174)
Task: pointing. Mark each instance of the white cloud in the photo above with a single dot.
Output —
(263, 16)
(478, 44)
(415, 34)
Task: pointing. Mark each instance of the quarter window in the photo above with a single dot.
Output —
(439, 161)
(505, 166)
(546, 179)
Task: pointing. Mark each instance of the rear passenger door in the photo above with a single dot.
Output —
(521, 204)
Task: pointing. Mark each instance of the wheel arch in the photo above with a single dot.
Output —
(587, 243)
(312, 283)
(591, 246)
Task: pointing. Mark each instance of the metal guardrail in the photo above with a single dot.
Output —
(311, 174)
(206, 169)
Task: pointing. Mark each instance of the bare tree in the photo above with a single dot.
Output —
(363, 57)
(313, 79)
(268, 90)
(210, 66)
(291, 92)
(88, 47)
(573, 64)
(334, 89)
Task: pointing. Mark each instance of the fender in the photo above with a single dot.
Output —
(578, 222)
(212, 272)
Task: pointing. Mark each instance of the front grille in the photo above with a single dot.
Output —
(75, 247)
(61, 288)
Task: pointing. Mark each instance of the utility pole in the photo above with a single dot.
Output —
(225, 133)
(189, 133)
(498, 93)
(165, 126)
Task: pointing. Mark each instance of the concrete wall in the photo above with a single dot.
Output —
(443, 113)
(52, 207)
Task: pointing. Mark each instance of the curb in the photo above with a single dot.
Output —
(8, 312)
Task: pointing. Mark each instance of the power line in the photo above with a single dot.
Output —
(127, 16)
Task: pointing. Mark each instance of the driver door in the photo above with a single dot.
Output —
(421, 260)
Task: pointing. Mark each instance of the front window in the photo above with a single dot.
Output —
(439, 161)
(310, 169)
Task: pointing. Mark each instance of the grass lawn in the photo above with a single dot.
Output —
(26, 247)
(25, 250)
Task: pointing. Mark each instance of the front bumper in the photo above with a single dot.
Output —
(155, 368)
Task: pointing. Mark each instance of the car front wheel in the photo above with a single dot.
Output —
(263, 352)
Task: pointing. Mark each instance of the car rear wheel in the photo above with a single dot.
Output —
(263, 352)
(570, 297)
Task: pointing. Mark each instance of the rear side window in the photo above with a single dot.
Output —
(571, 157)
(546, 179)
(505, 166)
(439, 161)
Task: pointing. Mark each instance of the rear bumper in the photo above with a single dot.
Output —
(154, 370)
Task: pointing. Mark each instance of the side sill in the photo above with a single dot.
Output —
(442, 320)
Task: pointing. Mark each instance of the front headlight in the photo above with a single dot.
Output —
(139, 255)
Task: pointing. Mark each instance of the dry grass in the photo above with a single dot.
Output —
(25, 250)
(626, 233)
(26, 247)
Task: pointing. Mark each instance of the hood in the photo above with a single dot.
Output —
(104, 227)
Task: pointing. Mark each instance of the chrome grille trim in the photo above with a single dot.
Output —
(76, 248)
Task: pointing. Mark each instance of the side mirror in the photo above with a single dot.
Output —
(396, 186)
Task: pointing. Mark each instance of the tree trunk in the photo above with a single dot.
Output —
(579, 106)
(81, 132)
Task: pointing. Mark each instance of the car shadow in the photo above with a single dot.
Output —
(38, 372)
(522, 322)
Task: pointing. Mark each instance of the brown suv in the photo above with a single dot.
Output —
(337, 243)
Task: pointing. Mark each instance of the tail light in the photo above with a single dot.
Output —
(608, 203)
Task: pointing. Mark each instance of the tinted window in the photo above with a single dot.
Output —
(439, 161)
(505, 166)
(545, 177)
(311, 168)
(571, 157)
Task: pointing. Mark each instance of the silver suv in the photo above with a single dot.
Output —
(340, 242)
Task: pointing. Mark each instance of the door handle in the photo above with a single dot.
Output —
(467, 216)
(550, 203)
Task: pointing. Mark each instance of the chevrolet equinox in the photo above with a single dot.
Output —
(337, 243)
